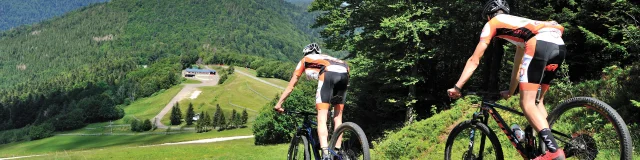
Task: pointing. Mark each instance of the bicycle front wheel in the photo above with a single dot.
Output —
(299, 149)
(588, 128)
(466, 142)
(353, 144)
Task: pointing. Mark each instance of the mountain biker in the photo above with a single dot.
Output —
(333, 77)
(544, 51)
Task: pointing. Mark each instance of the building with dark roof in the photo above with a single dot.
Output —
(190, 72)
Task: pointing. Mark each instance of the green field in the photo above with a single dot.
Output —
(237, 92)
(67, 143)
(145, 108)
(238, 89)
(235, 149)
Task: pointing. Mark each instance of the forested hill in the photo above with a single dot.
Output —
(78, 67)
(14, 13)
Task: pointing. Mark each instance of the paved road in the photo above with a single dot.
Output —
(184, 93)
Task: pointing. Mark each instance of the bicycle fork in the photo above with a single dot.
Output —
(482, 117)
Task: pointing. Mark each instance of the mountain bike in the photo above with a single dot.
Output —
(305, 140)
(586, 128)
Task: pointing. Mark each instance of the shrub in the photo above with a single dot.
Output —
(271, 127)
(146, 126)
(41, 131)
(135, 126)
(411, 141)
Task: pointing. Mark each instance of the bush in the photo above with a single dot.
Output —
(135, 126)
(146, 126)
(41, 131)
(271, 127)
(410, 142)
(223, 78)
(617, 87)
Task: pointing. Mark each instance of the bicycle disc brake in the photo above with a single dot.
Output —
(582, 146)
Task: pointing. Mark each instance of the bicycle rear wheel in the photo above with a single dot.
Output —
(299, 148)
(354, 143)
(588, 128)
(466, 134)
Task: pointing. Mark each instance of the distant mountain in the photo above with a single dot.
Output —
(14, 13)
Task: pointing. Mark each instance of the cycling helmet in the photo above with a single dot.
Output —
(493, 6)
(313, 47)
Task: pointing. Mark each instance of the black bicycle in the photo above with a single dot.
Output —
(586, 128)
(305, 141)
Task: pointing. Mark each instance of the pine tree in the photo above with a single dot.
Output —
(222, 122)
(189, 116)
(216, 117)
(232, 121)
(206, 121)
(245, 117)
(176, 115)
(238, 120)
(200, 125)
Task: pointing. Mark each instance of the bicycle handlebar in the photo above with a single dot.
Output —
(482, 93)
(304, 113)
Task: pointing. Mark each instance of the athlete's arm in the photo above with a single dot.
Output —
(287, 91)
(292, 83)
(472, 64)
(517, 61)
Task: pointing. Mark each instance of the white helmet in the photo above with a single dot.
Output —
(313, 47)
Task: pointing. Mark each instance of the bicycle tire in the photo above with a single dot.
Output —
(294, 146)
(604, 109)
(478, 125)
(362, 138)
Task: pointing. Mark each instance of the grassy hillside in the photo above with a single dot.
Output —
(237, 90)
(83, 67)
(236, 149)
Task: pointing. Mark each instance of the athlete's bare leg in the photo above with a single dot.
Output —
(536, 117)
(322, 124)
(337, 120)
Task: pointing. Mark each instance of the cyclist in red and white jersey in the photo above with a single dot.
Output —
(540, 49)
(333, 78)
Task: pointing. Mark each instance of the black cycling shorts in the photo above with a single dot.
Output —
(333, 89)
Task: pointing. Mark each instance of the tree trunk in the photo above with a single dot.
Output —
(410, 116)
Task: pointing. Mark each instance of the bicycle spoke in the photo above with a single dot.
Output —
(591, 135)
(466, 147)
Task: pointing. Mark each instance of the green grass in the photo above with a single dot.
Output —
(74, 143)
(145, 108)
(238, 90)
(236, 149)
(275, 81)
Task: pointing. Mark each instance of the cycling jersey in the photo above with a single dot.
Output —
(331, 73)
(542, 40)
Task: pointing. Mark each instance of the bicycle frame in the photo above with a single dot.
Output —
(307, 130)
(489, 108)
